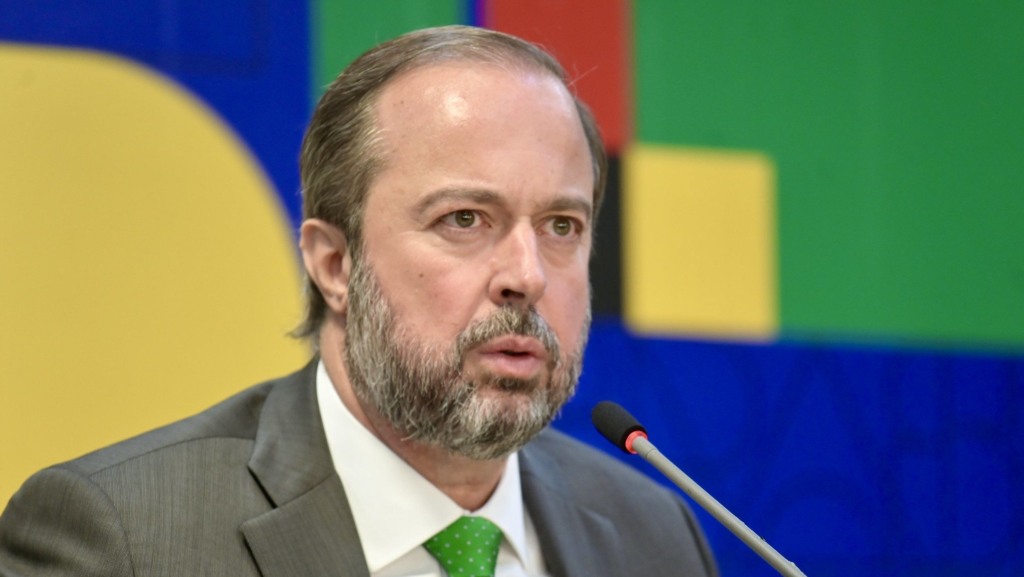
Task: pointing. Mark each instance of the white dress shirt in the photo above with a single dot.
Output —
(396, 509)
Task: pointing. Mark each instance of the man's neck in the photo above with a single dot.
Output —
(467, 482)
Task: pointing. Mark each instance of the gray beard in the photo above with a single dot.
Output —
(422, 392)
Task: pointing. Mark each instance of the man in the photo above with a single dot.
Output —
(451, 184)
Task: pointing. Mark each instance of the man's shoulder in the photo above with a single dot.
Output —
(171, 497)
(588, 471)
(573, 453)
(559, 469)
(229, 422)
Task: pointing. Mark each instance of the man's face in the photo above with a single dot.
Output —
(469, 305)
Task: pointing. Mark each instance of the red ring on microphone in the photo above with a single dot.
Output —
(632, 437)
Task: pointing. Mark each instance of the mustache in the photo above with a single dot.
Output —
(510, 320)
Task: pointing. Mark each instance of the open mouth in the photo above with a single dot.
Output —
(514, 356)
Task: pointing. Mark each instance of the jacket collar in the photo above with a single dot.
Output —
(310, 529)
(575, 541)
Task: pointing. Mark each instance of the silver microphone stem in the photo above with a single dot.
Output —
(652, 455)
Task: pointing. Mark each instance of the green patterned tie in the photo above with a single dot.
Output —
(467, 548)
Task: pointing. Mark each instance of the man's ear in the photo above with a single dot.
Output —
(328, 261)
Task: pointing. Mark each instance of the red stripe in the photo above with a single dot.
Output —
(592, 40)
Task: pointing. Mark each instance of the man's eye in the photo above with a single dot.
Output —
(463, 218)
(562, 226)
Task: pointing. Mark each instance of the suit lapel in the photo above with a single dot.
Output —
(311, 535)
(575, 541)
(310, 530)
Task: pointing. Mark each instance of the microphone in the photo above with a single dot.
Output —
(626, 433)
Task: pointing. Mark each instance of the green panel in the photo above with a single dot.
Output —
(344, 29)
(898, 132)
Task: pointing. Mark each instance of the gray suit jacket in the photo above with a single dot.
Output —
(248, 488)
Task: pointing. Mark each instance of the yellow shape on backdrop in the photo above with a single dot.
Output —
(699, 243)
(146, 267)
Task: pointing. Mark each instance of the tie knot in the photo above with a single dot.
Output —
(467, 548)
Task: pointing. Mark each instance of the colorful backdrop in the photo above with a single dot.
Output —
(809, 279)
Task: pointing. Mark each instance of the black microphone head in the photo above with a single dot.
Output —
(615, 424)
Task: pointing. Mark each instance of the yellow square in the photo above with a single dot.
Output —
(699, 243)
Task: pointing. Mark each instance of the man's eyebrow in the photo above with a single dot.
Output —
(476, 195)
(571, 203)
(484, 196)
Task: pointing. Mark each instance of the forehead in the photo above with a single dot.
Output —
(458, 97)
(485, 121)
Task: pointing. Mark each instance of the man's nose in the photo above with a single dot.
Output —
(519, 277)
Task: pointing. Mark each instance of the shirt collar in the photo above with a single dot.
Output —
(396, 509)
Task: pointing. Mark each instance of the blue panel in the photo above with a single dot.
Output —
(249, 60)
(848, 460)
